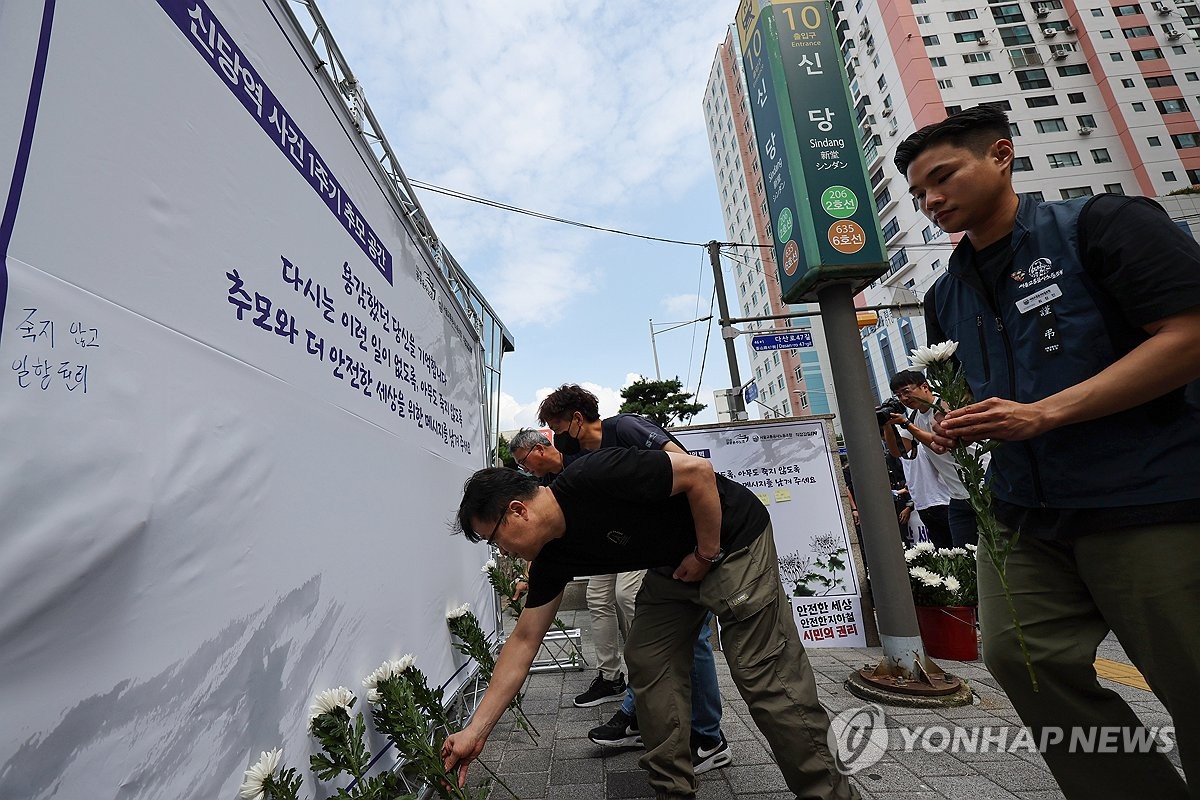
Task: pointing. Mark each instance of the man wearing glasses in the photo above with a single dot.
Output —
(933, 483)
(707, 543)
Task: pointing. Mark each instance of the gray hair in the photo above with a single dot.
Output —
(527, 439)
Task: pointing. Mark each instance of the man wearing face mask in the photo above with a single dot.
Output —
(573, 414)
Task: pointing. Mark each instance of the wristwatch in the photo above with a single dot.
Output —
(712, 562)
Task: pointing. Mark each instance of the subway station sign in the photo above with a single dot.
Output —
(823, 216)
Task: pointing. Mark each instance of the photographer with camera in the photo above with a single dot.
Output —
(933, 483)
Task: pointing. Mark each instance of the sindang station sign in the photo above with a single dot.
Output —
(822, 210)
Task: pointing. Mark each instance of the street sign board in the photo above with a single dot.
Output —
(751, 393)
(809, 148)
(782, 341)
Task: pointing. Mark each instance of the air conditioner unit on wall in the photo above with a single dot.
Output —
(1161, 7)
(1085, 130)
(1069, 29)
(1042, 12)
(887, 112)
(1050, 33)
(983, 42)
(1059, 55)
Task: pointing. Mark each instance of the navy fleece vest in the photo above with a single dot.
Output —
(1052, 327)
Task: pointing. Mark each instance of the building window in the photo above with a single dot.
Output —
(891, 228)
(1191, 76)
(1086, 121)
(1041, 198)
(1032, 79)
(968, 36)
(1074, 69)
(898, 260)
(1007, 14)
(871, 373)
(952, 110)
(1127, 11)
(1016, 35)
(1078, 191)
(1041, 101)
(1056, 125)
(946, 83)
(1183, 141)
(1174, 106)
(922, 19)
(1126, 83)
(1014, 130)
(929, 41)
(1149, 54)
(987, 79)
(1178, 49)
(1116, 57)
(1097, 12)
(1193, 176)
(1153, 141)
(1139, 106)
(1114, 188)
(1137, 32)
(1100, 156)
(976, 58)
(959, 16)
(885, 348)
(906, 335)
(1022, 164)
(938, 61)
(1076, 97)
(1106, 34)
(1064, 160)
(1169, 176)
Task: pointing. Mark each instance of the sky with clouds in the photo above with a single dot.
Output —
(590, 111)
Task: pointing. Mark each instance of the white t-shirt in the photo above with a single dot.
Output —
(928, 483)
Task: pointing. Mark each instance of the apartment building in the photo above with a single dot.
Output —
(1102, 96)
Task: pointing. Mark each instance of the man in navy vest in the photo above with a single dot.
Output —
(1078, 329)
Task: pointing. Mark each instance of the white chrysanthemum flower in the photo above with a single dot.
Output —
(925, 576)
(911, 554)
(972, 549)
(924, 547)
(252, 786)
(944, 551)
(331, 700)
(952, 584)
(958, 551)
(461, 611)
(388, 669)
(489, 566)
(924, 357)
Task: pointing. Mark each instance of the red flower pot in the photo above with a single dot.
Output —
(949, 632)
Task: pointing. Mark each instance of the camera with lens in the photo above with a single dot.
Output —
(888, 407)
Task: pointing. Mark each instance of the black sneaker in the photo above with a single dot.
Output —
(602, 690)
(620, 731)
(709, 754)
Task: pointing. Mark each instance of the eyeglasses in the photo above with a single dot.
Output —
(521, 461)
(474, 537)
(906, 391)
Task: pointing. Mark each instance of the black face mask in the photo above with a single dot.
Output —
(566, 444)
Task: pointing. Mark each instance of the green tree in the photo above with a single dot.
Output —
(661, 401)
(504, 454)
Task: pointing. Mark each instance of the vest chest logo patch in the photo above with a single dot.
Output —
(1036, 271)
(1041, 270)
(618, 538)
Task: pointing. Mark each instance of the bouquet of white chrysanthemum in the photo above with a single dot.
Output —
(947, 380)
(472, 642)
(942, 576)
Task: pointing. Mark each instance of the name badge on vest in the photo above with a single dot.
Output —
(1039, 298)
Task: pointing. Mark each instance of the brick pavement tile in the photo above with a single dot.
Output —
(1019, 776)
(528, 786)
(569, 791)
(628, 785)
(976, 787)
(748, 752)
(519, 761)
(577, 770)
(749, 779)
(888, 775)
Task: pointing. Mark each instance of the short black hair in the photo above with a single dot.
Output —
(976, 129)
(906, 377)
(489, 491)
(566, 400)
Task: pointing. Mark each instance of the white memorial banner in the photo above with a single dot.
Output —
(237, 405)
(790, 466)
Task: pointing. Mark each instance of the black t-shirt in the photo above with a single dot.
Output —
(621, 516)
(1146, 264)
(631, 430)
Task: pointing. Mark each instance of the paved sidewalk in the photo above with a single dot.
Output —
(565, 765)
